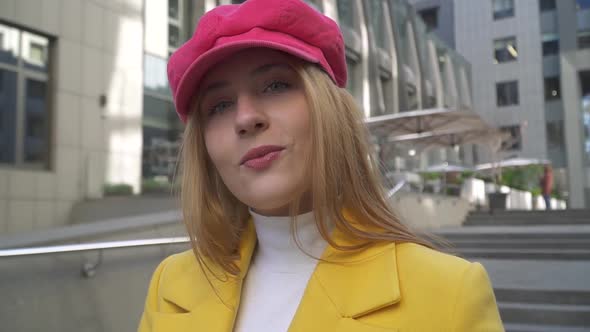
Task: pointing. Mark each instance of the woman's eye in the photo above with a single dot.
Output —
(219, 108)
(276, 86)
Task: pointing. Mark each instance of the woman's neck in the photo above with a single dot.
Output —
(305, 206)
(276, 245)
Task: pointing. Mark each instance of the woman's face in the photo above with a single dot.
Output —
(257, 129)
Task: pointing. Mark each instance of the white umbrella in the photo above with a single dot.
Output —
(423, 121)
(514, 162)
(445, 168)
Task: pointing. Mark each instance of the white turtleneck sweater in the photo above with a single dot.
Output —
(278, 273)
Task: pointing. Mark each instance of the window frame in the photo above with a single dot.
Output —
(172, 124)
(516, 135)
(23, 74)
(550, 38)
(508, 94)
(505, 49)
(505, 13)
(177, 23)
(555, 134)
(550, 96)
(436, 11)
(544, 8)
(340, 6)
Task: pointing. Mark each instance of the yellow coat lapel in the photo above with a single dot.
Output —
(349, 285)
(337, 293)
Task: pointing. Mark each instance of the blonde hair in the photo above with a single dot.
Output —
(342, 168)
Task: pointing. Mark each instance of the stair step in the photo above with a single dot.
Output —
(497, 221)
(528, 215)
(572, 212)
(564, 254)
(514, 236)
(519, 243)
(570, 297)
(552, 314)
(560, 232)
(543, 328)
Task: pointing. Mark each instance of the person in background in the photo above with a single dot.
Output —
(547, 185)
(291, 229)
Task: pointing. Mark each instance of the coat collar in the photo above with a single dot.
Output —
(353, 283)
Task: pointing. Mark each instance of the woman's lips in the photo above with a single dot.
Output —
(263, 162)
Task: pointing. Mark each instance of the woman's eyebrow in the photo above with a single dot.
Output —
(257, 71)
(268, 67)
(212, 87)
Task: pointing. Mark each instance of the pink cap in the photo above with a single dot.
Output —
(290, 26)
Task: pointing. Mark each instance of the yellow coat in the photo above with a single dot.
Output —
(386, 287)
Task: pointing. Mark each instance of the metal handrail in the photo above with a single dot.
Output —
(398, 186)
(98, 228)
(67, 248)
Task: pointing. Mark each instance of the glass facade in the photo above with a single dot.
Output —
(36, 121)
(428, 72)
(161, 127)
(317, 4)
(585, 93)
(546, 5)
(550, 44)
(7, 116)
(376, 21)
(346, 13)
(583, 17)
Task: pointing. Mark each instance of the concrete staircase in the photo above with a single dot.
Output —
(526, 310)
(515, 217)
(539, 264)
(521, 242)
(543, 310)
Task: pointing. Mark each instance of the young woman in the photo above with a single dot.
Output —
(290, 227)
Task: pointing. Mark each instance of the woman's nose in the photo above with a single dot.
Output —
(250, 119)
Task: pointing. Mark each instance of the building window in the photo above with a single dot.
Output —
(346, 12)
(582, 4)
(552, 90)
(161, 127)
(555, 134)
(176, 24)
(547, 5)
(376, 7)
(514, 142)
(430, 18)
(507, 93)
(585, 85)
(505, 50)
(550, 44)
(584, 39)
(24, 109)
(503, 9)
(173, 9)
(354, 75)
(316, 4)
(583, 18)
